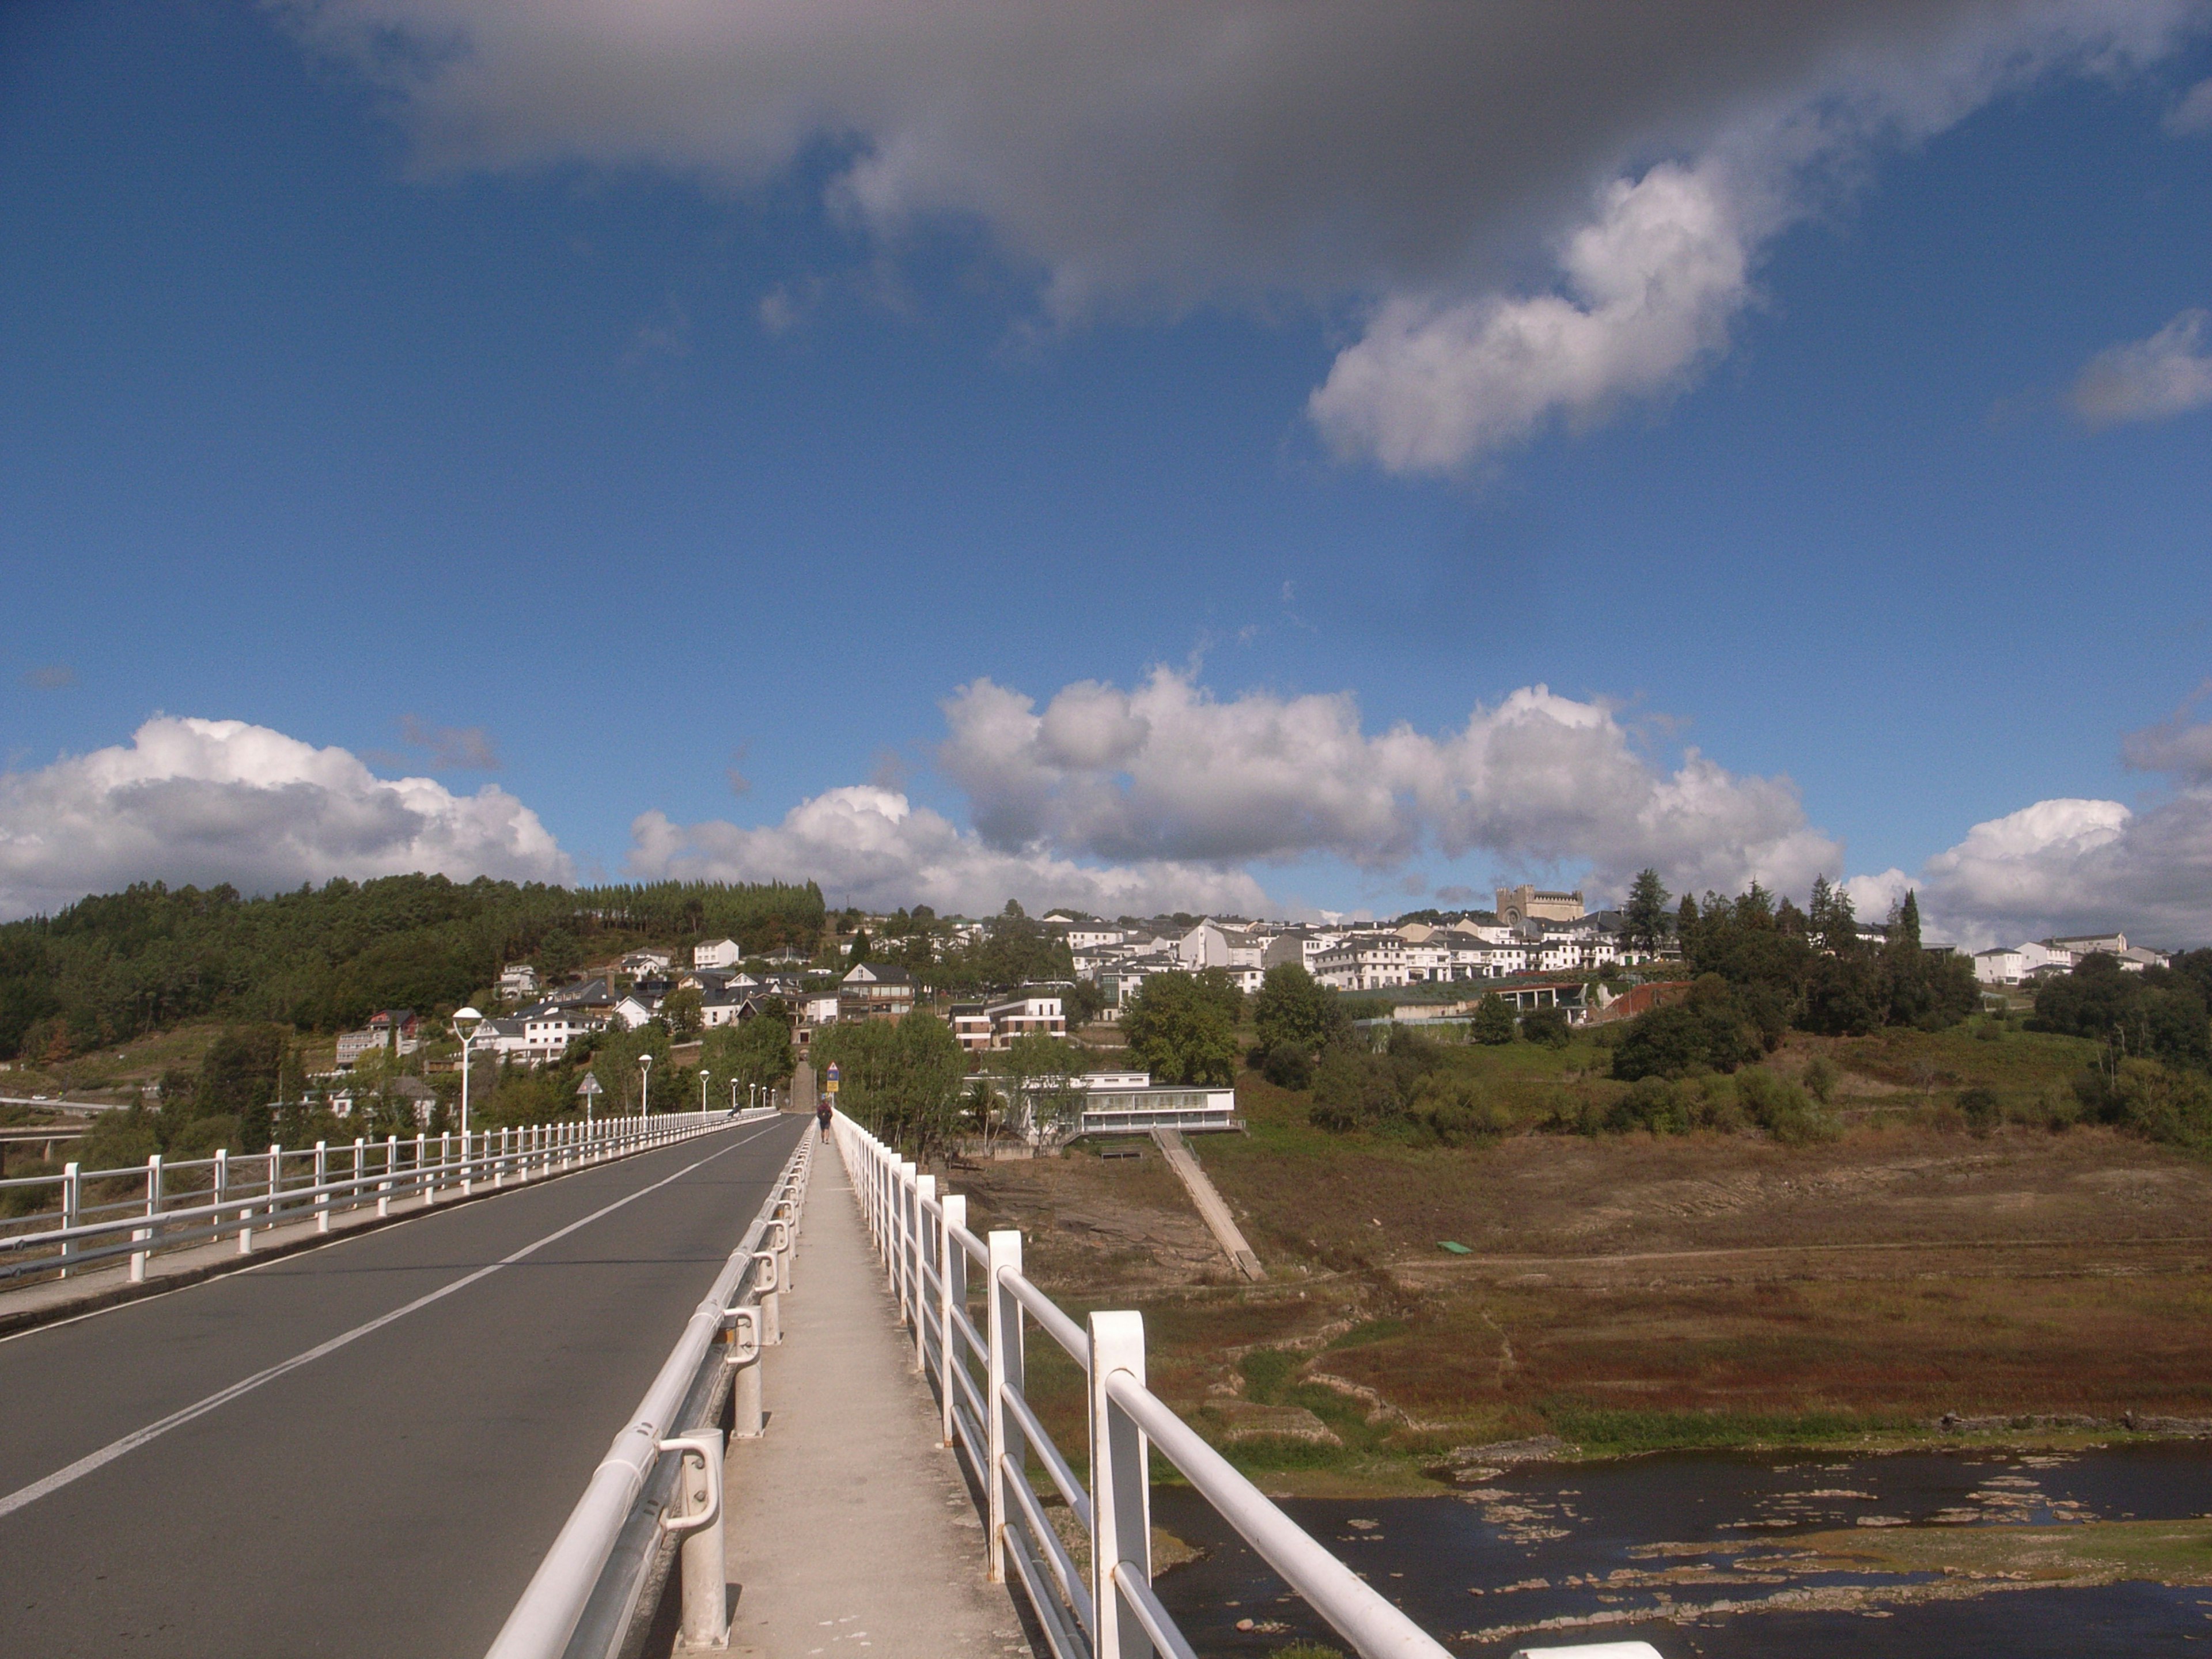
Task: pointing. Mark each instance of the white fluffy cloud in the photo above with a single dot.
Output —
(1407, 160)
(1167, 772)
(873, 847)
(2192, 114)
(208, 801)
(2077, 865)
(2154, 380)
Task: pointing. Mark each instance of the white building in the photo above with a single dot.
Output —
(717, 953)
(517, 981)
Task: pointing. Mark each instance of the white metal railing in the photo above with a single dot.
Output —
(1111, 1612)
(96, 1215)
(577, 1600)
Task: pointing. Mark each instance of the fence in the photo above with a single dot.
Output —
(1111, 1613)
(662, 1477)
(97, 1215)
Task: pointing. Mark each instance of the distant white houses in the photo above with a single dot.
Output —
(1034, 1012)
(396, 1030)
(2039, 959)
(875, 990)
(517, 981)
(717, 953)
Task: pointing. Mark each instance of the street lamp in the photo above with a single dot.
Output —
(465, 1021)
(734, 1097)
(703, 1075)
(645, 1085)
(590, 1090)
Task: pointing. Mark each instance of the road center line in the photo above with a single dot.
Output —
(137, 1438)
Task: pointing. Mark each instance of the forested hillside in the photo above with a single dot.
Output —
(110, 968)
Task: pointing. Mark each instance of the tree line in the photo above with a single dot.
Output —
(110, 968)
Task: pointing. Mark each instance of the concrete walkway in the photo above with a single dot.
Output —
(851, 1530)
(1212, 1208)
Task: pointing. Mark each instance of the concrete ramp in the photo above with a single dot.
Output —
(1210, 1206)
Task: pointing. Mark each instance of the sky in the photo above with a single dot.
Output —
(1295, 459)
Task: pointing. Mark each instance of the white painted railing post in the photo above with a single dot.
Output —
(909, 1213)
(145, 1234)
(1121, 1488)
(221, 1188)
(706, 1622)
(951, 1294)
(391, 1164)
(925, 1190)
(354, 1199)
(322, 1198)
(72, 1183)
(444, 1160)
(771, 1305)
(1005, 1377)
(745, 1380)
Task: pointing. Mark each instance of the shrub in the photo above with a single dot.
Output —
(1780, 1106)
(1547, 1026)
(1288, 1066)
(1820, 1078)
(1979, 1106)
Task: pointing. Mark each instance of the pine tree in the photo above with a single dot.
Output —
(1645, 911)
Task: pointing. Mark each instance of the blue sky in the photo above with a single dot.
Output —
(351, 405)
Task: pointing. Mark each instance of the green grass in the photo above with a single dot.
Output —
(1609, 1431)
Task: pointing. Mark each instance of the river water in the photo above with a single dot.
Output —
(1614, 1549)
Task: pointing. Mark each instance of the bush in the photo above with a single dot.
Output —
(1979, 1108)
(1820, 1078)
(1286, 1066)
(1547, 1026)
(1493, 1023)
(1780, 1106)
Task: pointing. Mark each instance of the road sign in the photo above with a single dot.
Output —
(832, 1076)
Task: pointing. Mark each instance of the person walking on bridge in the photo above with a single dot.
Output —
(822, 1113)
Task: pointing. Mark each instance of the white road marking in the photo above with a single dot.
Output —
(137, 1438)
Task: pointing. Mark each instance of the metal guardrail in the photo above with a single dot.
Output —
(1111, 1612)
(662, 1476)
(98, 1215)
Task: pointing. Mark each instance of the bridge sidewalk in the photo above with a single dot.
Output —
(851, 1530)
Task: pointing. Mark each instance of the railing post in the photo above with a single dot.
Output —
(322, 1198)
(745, 1380)
(925, 1189)
(445, 1160)
(952, 1293)
(770, 1304)
(72, 1183)
(699, 1518)
(1121, 1488)
(222, 1185)
(354, 1200)
(145, 1234)
(909, 1213)
(1005, 1376)
(391, 1164)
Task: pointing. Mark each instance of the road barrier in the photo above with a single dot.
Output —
(1112, 1612)
(660, 1482)
(97, 1215)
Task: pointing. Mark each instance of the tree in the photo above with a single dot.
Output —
(860, 951)
(904, 1080)
(1547, 1026)
(1183, 1027)
(1493, 1023)
(681, 1009)
(1292, 1012)
(1040, 1072)
(1644, 914)
(1686, 920)
(756, 1051)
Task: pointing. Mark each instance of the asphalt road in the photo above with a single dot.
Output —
(392, 1495)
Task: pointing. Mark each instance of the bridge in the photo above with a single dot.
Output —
(691, 1383)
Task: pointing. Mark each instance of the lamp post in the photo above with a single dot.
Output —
(703, 1075)
(590, 1090)
(734, 1097)
(645, 1085)
(465, 1021)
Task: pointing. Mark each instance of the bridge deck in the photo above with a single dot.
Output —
(851, 1530)
(363, 1449)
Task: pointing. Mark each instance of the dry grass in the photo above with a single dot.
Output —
(1639, 1290)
